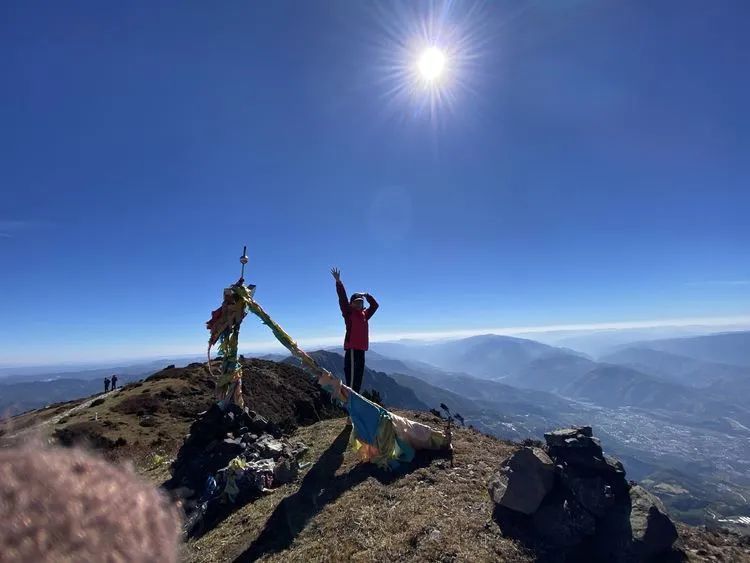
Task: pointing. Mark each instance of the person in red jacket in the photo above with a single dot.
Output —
(357, 339)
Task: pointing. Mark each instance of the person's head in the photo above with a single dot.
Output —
(65, 505)
(357, 301)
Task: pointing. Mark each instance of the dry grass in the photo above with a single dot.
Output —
(21, 422)
(119, 418)
(111, 424)
(342, 510)
(719, 546)
(339, 510)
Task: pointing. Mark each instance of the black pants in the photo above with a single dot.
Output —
(354, 370)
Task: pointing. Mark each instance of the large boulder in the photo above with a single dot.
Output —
(595, 494)
(523, 481)
(595, 482)
(653, 531)
(629, 518)
(635, 530)
(576, 501)
(563, 522)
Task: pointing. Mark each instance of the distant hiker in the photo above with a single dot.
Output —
(106, 384)
(356, 341)
(114, 382)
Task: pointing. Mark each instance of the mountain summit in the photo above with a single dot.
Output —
(434, 509)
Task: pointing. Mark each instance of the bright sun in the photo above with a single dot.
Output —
(431, 64)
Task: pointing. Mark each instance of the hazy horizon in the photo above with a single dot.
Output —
(552, 335)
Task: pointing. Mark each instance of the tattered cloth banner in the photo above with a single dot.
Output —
(379, 436)
(225, 329)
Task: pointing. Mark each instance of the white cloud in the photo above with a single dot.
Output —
(739, 321)
(173, 350)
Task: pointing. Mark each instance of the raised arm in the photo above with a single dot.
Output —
(341, 291)
(373, 306)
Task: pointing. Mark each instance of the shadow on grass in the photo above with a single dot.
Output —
(320, 487)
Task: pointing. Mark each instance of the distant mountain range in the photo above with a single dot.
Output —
(392, 394)
(22, 396)
(640, 376)
(491, 406)
(674, 367)
(724, 348)
(599, 342)
(19, 375)
(672, 404)
(488, 356)
(665, 413)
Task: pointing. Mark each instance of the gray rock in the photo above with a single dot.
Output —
(595, 494)
(585, 461)
(285, 471)
(268, 446)
(524, 481)
(562, 522)
(653, 531)
(299, 450)
(148, 421)
(258, 424)
(614, 540)
(614, 465)
(558, 438)
(635, 530)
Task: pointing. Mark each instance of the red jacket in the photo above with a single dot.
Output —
(357, 330)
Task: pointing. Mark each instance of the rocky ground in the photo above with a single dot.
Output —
(436, 509)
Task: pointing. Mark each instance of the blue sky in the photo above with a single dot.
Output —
(586, 163)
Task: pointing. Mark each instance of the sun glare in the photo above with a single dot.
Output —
(429, 55)
(431, 64)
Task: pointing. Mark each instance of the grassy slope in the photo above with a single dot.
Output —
(338, 509)
(343, 510)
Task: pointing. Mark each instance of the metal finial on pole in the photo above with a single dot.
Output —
(243, 261)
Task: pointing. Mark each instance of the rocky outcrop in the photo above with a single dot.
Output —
(653, 531)
(575, 500)
(523, 481)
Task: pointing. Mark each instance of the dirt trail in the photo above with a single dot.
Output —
(58, 417)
